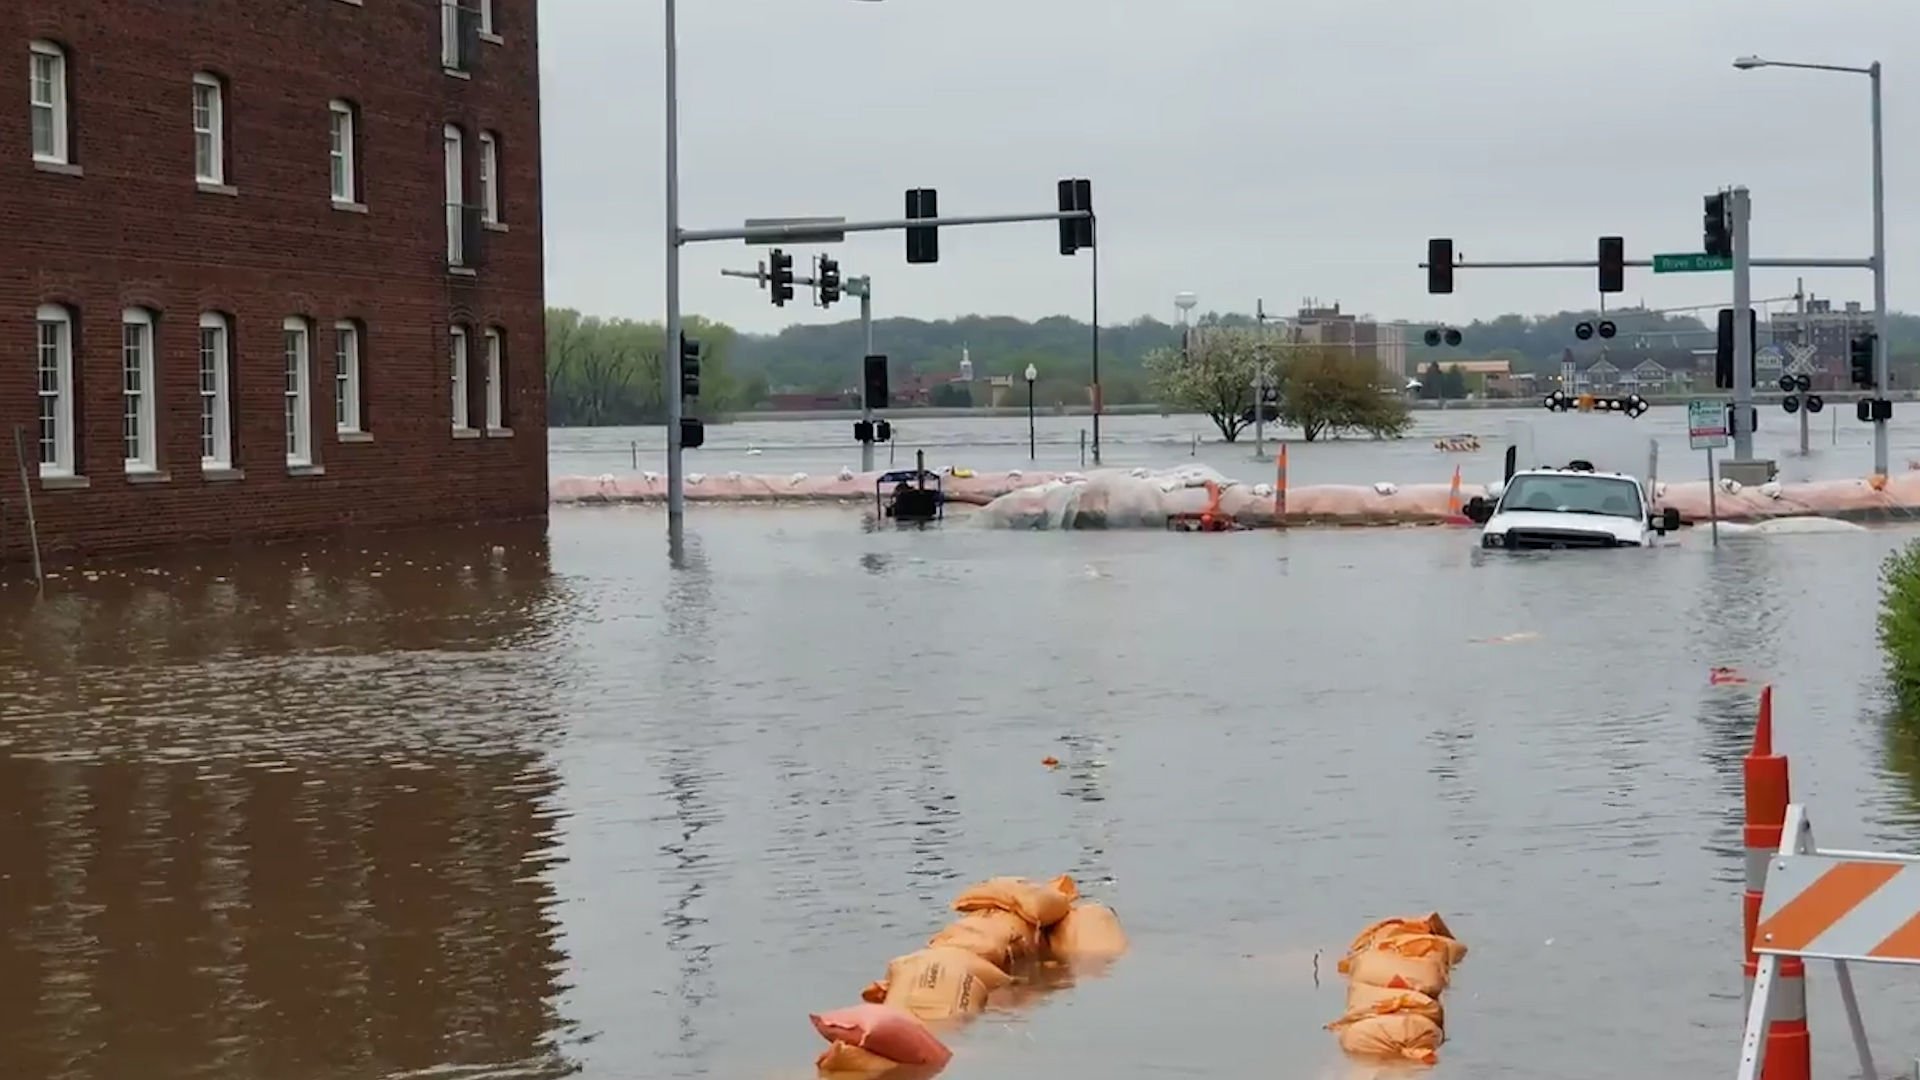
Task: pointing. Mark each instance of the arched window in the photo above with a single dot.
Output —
(137, 391)
(54, 361)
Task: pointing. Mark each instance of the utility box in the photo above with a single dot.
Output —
(1749, 473)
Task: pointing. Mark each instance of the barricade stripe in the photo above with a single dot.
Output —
(1824, 902)
(1902, 944)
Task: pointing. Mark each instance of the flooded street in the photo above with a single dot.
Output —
(529, 802)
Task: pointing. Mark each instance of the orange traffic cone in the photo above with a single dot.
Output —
(1456, 507)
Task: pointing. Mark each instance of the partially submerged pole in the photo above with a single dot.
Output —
(26, 493)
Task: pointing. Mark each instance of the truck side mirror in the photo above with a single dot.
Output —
(1669, 519)
(1478, 510)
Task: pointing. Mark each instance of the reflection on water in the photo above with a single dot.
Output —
(281, 814)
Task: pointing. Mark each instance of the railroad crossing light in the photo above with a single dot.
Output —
(1583, 330)
(1453, 337)
(1438, 334)
(1790, 404)
(923, 241)
(1606, 329)
(1076, 233)
(829, 279)
(1815, 403)
(689, 367)
(1440, 265)
(781, 277)
(1613, 269)
(1860, 361)
(1717, 228)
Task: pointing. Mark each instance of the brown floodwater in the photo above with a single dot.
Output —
(529, 802)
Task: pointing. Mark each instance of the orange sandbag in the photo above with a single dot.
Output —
(1040, 904)
(1090, 929)
(1430, 923)
(1380, 967)
(1364, 1001)
(894, 1034)
(1409, 1036)
(1001, 938)
(1440, 945)
(938, 983)
(845, 1059)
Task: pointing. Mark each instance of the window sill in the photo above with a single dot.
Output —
(492, 38)
(463, 271)
(294, 468)
(346, 207)
(355, 436)
(494, 226)
(148, 476)
(211, 188)
(466, 433)
(355, 3)
(499, 433)
(65, 483)
(58, 168)
(455, 73)
(221, 474)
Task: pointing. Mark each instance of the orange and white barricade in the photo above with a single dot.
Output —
(1848, 907)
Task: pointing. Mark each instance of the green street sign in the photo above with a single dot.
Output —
(1690, 262)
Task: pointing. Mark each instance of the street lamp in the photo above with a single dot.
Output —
(1880, 373)
(1032, 374)
(670, 373)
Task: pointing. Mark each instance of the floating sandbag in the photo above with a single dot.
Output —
(1364, 1001)
(846, 1060)
(1407, 1036)
(1040, 904)
(1430, 923)
(938, 983)
(1001, 938)
(1089, 929)
(884, 1031)
(1427, 972)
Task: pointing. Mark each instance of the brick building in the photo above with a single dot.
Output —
(270, 268)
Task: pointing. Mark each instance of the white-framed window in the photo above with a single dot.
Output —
(137, 390)
(346, 375)
(54, 360)
(450, 35)
(457, 354)
(47, 100)
(490, 177)
(209, 136)
(456, 195)
(296, 348)
(486, 15)
(216, 403)
(340, 119)
(495, 422)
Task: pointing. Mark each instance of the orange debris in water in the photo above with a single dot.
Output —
(1724, 676)
(1050, 761)
(1398, 968)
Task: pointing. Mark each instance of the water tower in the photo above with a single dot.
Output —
(1185, 301)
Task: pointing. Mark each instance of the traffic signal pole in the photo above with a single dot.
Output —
(1740, 209)
(861, 287)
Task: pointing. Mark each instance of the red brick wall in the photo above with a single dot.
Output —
(134, 229)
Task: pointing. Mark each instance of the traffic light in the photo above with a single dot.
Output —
(1613, 269)
(923, 242)
(1723, 349)
(876, 382)
(1440, 265)
(1860, 357)
(693, 433)
(780, 272)
(1435, 335)
(1717, 235)
(829, 279)
(689, 367)
(1076, 233)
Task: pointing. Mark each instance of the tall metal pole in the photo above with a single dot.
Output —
(1742, 328)
(1806, 337)
(670, 355)
(1098, 403)
(1881, 375)
(866, 407)
(1032, 454)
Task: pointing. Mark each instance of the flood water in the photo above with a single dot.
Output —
(512, 803)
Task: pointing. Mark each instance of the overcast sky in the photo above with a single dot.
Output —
(1238, 149)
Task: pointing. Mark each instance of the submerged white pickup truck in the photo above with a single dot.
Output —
(1571, 503)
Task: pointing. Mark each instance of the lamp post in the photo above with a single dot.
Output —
(1032, 374)
(1880, 373)
(670, 372)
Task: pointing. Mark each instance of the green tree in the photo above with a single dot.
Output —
(1432, 382)
(1214, 375)
(1327, 392)
(1453, 385)
(608, 371)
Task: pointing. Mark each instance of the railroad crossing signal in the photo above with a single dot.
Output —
(1437, 334)
(1585, 330)
(923, 241)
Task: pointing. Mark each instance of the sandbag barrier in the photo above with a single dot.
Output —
(1008, 929)
(1894, 498)
(1396, 970)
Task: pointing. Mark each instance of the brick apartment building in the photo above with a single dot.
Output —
(268, 268)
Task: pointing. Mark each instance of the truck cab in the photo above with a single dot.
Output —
(1571, 507)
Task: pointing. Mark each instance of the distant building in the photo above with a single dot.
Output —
(1830, 333)
(1382, 344)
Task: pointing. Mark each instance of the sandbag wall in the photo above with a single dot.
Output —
(1396, 971)
(1007, 928)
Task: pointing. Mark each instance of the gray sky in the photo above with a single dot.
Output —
(1236, 149)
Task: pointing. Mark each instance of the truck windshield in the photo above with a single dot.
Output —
(1573, 493)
